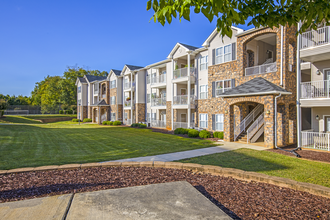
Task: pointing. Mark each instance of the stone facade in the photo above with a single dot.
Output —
(169, 115)
(83, 110)
(140, 112)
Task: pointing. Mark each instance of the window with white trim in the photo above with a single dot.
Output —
(203, 120)
(79, 89)
(203, 63)
(112, 100)
(113, 116)
(148, 98)
(223, 54)
(112, 84)
(222, 86)
(203, 92)
(79, 102)
(153, 116)
(219, 122)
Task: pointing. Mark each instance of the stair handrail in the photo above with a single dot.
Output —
(252, 130)
(247, 120)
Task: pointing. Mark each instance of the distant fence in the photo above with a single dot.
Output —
(29, 109)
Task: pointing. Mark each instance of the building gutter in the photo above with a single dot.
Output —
(257, 93)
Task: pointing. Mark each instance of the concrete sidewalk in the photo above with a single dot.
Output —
(227, 146)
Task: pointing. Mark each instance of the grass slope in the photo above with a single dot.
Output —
(67, 142)
(269, 163)
(30, 119)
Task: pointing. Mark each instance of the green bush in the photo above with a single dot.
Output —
(87, 120)
(116, 123)
(60, 112)
(193, 133)
(110, 123)
(142, 125)
(218, 134)
(204, 134)
(75, 120)
(134, 125)
(68, 112)
(105, 122)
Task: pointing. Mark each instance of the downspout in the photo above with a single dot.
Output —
(281, 84)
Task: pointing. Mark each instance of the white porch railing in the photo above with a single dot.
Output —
(315, 140)
(181, 125)
(265, 68)
(315, 89)
(158, 123)
(315, 37)
(158, 101)
(128, 103)
(127, 85)
(255, 127)
(183, 100)
(127, 121)
(247, 120)
(183, 72)
(158, 80)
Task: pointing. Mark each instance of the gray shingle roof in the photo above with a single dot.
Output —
(189, 47)
(82, 79)
(117, 72)
(100, 103)
(91, 78)
(256, 86)
(131, 67)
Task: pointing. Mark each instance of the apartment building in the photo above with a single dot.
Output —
(314, 88)
(244, 86)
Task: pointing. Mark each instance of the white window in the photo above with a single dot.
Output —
(222, 86)
(223, 54)
(79, 89)
(203, 92)
(79, 102)
(219, 122)
(153, 116)
(203, 120)
(112, 100)
(148, 98)
(204, 63)
(112, 84)
(148, 79)
(113, 116)
(148, 117)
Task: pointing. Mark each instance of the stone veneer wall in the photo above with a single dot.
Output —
(140, 112)
(84, 112)
(119, 113)
(113, 108)
(169, 115)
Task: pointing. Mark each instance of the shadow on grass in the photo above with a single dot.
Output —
(18, 119)
(233, 159)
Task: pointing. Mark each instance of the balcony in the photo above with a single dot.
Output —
(315, 45)
(156, 102)
(96, 91)
(181, 101)
(158, 81)
(158, 123)
(128, 86)
(182, 125)
(128, 104)
(265, 68)
(315, 140)
(182, 74)
(315, 93)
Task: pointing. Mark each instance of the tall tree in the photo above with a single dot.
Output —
(235, 12)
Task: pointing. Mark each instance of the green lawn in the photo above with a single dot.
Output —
(269, 163)
(30, 119)
(67, 142)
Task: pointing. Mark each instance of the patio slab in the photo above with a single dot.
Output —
(175, 200)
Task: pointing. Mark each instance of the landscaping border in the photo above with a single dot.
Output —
(213, 170)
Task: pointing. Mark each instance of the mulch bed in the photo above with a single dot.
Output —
(239, 199)
(307, 154)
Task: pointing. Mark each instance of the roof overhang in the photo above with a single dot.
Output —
(215, 32)
(250, 31)
(158, 64)
(177, 45)
(257, 93)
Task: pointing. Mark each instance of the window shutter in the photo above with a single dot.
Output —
(213, 89)
(232, 83)
(213, 56)
(213, 122)
(233, 52)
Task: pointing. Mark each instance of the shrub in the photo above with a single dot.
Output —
(193, 133)
(87, 120)
(75, 120)
(218, 134)
(142, 125)
(110, 123)
(181, 131)
(60, 112)
(68, 112)
(105, 122)
(204, 134)
(134, 125)
(116, 123)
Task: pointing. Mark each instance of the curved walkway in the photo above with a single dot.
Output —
(227, 146)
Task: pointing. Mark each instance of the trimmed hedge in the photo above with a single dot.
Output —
(87, 120)
(68, 112)
(218, 134)
(61, 112)
(116, 123)
(134, 125)
(181, 131)
(105, 122)
(142, 125)
(193, 133)
(75, 120)
(138, 125)
(109, 122)
(204, 134)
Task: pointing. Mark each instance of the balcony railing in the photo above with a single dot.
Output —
(158, 101)
(315, 140)
(128, 103)
(183, 72)
(315, 37)
(183, 100)
(127, 85)
(265, 68)
(158, 123)
(158, 80)
(315, 89)
(182, 125)
(127, 121)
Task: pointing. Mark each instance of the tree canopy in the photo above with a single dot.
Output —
(267, 13)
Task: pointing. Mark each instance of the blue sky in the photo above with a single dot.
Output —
(40, 38)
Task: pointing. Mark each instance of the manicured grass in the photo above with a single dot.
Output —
(30, 119)
(67, 142)
(269, 163)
